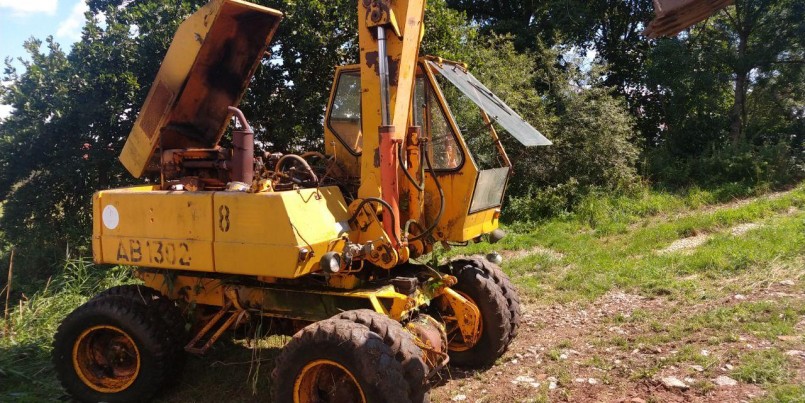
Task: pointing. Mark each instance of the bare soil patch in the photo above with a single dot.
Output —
(686, 244)
(594, 353)
(537, 250)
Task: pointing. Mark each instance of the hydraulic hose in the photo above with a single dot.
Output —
(385, 205)
(301, 160)
(441, 202)
(419, 186)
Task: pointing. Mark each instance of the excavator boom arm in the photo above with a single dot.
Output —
(389, 36)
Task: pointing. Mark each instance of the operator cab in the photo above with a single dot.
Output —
(458, 116)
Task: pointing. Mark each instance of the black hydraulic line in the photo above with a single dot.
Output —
(441, 202)
(419, 186)
(381, 201)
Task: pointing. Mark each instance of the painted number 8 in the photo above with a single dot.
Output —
(223, 218)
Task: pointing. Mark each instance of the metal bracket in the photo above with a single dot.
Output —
(235, 317)
(467, 316)
(380, 13)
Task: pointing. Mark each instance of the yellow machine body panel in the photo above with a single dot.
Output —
(278, 234)
(271, 234)
(154, 228)
(206, 69)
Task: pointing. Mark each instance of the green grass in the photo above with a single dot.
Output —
(761, 367)
(764, 319)
(785, 394)
(618, 250)
(25, 371)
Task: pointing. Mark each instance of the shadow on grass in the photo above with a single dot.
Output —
(26, 374)
(230, 371)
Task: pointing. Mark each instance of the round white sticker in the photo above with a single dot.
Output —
(110, 217)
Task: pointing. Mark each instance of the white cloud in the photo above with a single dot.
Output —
(70, 28)
(30, 6)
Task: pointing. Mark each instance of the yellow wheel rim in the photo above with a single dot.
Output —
(326, 381)
(455, 340)
(106, 359)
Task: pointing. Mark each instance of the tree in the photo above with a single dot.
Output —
(611, 27)
(72, 113)
(729, 82)
(761, 35)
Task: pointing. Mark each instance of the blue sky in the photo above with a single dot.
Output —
(21, 19)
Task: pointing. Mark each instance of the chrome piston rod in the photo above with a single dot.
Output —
(383, 69)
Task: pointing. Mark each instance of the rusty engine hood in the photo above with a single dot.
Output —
(207, 68)
(673, 16)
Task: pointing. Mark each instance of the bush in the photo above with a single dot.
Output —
(36, 319)
(593, 152)
(765, 165)
(537, 205)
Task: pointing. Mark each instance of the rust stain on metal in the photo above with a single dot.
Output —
(371, 61)
(393, 65)
(394, 69)
(673, 16)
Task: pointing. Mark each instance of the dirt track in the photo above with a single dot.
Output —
(595, 354)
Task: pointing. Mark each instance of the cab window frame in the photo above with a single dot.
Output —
(328, 119)
(430, 80)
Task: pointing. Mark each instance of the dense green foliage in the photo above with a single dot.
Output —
(28, 332)
(720, 103)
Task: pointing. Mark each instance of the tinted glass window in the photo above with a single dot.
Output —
(497, 110)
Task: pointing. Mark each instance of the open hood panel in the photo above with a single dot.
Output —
(208, 66)
(497, 110)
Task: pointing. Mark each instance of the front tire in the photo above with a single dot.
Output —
(162, 310)
(110, 350)
(479, 287)
(337, 360)
(500, 278)
(402, 345)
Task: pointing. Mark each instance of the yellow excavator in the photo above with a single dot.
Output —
(318, 245)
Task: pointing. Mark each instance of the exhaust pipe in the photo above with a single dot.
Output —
(243, 150)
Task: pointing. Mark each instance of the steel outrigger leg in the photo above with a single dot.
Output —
(234, 317)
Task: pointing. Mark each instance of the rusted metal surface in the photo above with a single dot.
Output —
(209, 64)
(673, 16)
(196, 168)
(234, 317)
(431, 337)
(243, 150)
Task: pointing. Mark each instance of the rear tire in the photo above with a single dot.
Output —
(162, 310)
(110, 350)
(337, 360)
(165, 309)
(402, 346)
